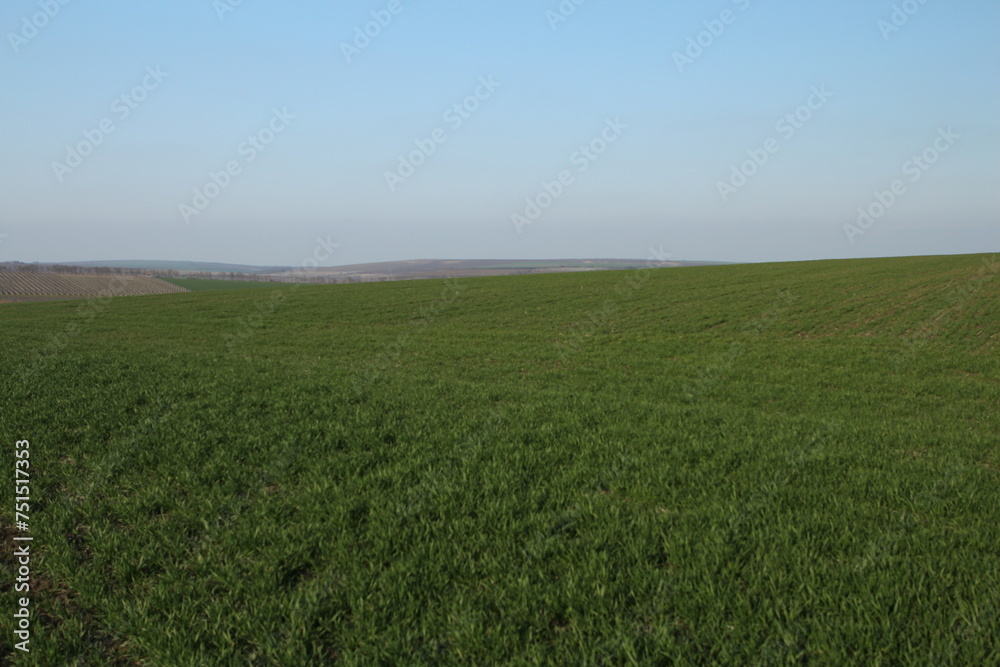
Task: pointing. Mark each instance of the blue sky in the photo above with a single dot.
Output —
(670, 144)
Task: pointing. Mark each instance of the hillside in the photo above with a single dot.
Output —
(381, 271)
(168, 265)
(753, 464)
(28, 284)
(472, 268)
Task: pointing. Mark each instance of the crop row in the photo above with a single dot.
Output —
(56, 284)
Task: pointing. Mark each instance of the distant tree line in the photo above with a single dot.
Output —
(290, 277)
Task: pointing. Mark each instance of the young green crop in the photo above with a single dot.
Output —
(203, 285)
(751, 464)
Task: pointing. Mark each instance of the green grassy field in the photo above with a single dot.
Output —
(201, 285)
(754, 464)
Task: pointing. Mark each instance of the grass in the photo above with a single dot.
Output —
(755, 464)
(203, 285)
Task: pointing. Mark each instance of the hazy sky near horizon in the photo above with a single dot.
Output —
(729, 130)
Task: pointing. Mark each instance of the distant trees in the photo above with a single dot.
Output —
(293, 276)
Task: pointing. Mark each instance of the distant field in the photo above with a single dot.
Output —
(199, 285)
(15, 284)
(157, 265)
(757, 464)
(418, 269)
(556, 265)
